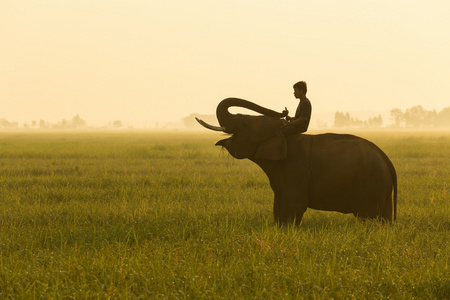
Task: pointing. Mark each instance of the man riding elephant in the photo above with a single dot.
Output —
(300, 122)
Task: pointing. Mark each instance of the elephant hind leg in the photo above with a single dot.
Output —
(381, 213)
(367, 211)
(377, 205)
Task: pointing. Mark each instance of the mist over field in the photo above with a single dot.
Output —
(412, 118)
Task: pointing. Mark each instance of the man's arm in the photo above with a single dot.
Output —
(297, 121)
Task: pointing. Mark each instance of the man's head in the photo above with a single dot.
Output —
(301, 86)
(300, 89)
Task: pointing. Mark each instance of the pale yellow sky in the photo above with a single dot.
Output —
(159, 60)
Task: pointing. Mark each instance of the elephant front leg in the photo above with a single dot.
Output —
(288, 210)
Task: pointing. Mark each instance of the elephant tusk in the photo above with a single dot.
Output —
(206, 125)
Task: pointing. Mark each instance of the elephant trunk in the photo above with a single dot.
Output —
(227, 120)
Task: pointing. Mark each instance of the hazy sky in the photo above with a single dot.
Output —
(158, 60)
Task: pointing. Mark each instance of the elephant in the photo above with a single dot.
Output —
(330, 172)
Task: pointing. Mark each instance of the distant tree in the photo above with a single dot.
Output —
(374, 122)
(4, 123)
(8, 125)
(78, 122)
(443, 118)
(355, 122)
(117, 124)
(379, 122)
(42, 124)
(417, 116)
(340, 120)
(397, 116)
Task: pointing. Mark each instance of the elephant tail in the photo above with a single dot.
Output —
(394, 174)
(394, 182)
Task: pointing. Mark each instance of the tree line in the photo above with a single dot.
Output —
(418, 117)
(75, 123)
(342, 120)
(414, 117)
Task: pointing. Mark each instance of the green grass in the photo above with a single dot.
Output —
(168, 215)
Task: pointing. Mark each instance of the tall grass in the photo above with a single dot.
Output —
(168, 215)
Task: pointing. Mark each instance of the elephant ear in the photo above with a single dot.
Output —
(273, 148)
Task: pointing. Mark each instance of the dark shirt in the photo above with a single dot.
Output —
(303, 110)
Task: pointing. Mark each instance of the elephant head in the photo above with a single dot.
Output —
(253, 137)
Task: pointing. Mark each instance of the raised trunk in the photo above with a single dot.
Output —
(226, 119)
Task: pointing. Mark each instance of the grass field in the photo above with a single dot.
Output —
(168, 215)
